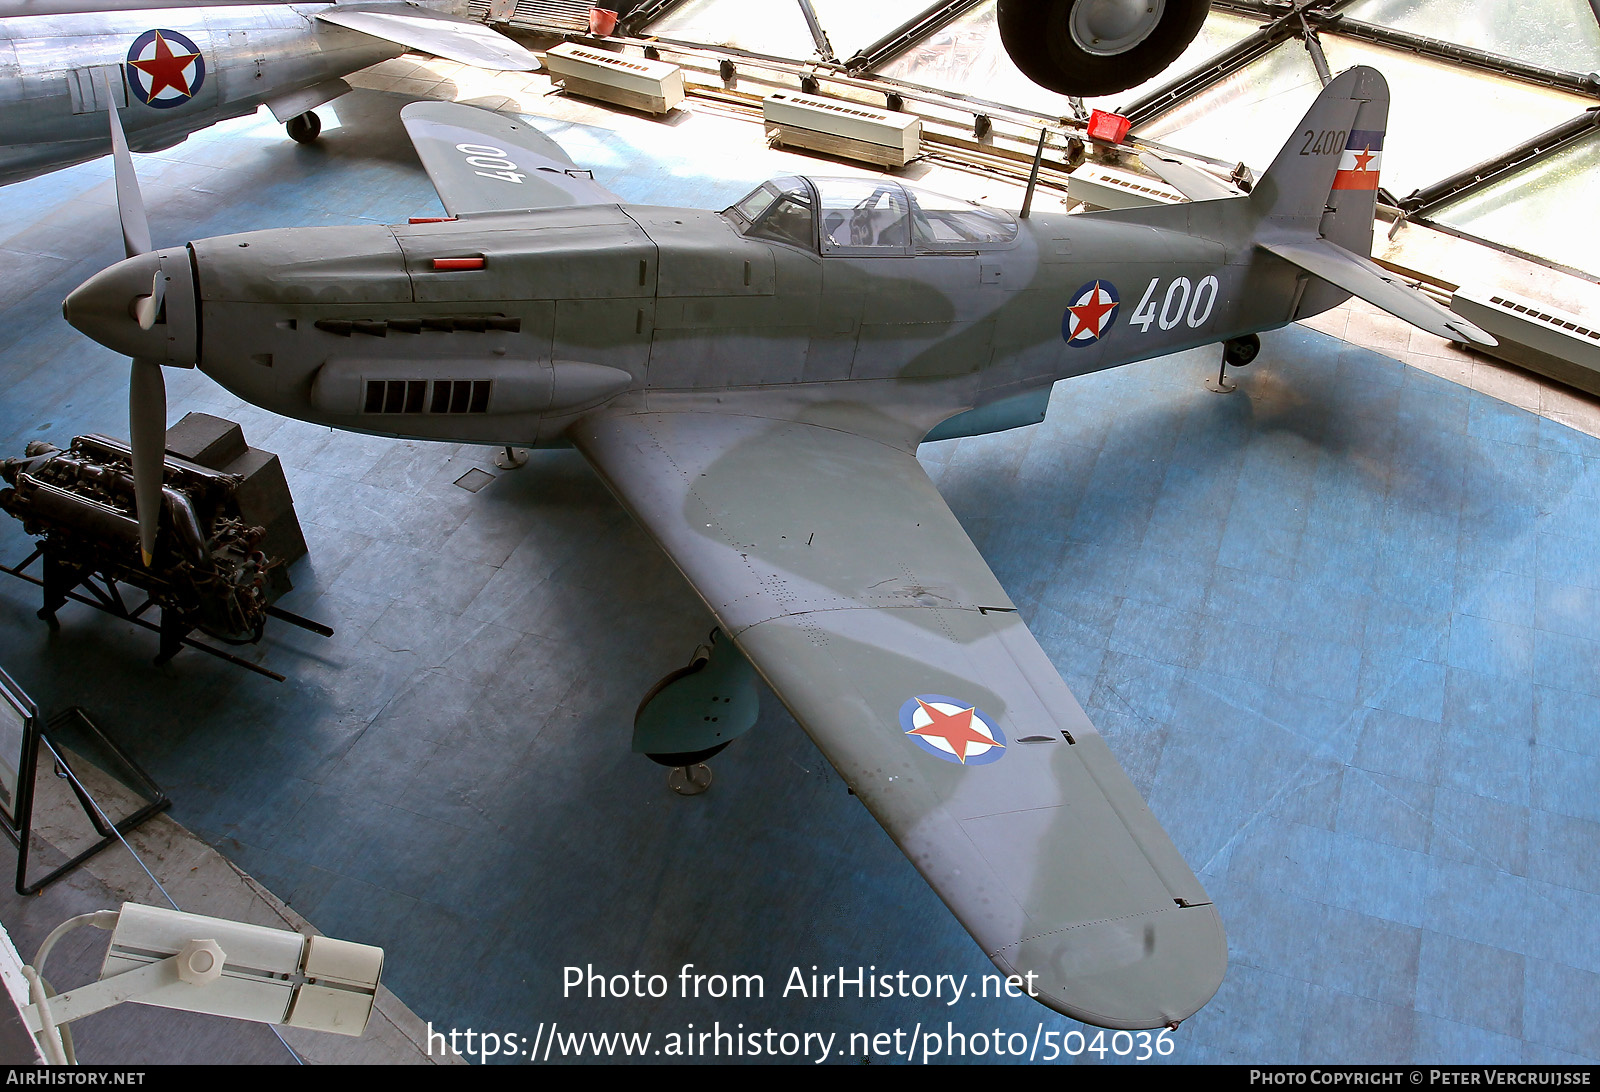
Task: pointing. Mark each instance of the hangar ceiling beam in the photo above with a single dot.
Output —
(819, 37)
(1530, 151)
(1582, 83)
(646, 13)
(908, 34)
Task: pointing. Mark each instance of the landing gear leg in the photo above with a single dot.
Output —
(1237, 351)
(303, 128)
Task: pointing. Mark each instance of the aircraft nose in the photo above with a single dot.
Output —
(142, 307)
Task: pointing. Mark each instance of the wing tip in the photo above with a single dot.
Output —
(1172, 968)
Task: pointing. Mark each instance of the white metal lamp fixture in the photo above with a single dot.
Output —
(186, 961)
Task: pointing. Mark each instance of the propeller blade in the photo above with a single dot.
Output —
(147, 309)
(130, 203)
(147, 425)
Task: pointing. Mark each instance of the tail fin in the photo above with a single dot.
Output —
(1316, 203)
(1326, 177)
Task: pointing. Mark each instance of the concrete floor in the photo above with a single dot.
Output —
(1340, 628)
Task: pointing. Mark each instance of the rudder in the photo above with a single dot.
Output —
(1325, 179)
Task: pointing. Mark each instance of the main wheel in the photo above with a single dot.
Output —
(1097, 47)
(303, 128)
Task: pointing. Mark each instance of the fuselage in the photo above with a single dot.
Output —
(201, 65)
(505, 328)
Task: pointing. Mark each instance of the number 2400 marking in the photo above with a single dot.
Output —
(1190, 304)
(1323, 142)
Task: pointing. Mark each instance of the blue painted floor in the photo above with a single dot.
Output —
(1341, 628)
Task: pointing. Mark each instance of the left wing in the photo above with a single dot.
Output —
(485, 162)
(432, 32)
(839, 571)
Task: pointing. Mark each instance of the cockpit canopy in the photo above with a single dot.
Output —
(869, 216)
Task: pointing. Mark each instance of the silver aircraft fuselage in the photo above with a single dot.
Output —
(55, 59)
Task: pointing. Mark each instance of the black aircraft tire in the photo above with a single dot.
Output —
(1240, 351)
(1036, 33)
(303, 128)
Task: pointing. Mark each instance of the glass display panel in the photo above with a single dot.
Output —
(1443, 119)
(1247, 116)
(966, 56)
(1544, 209)
(773, 27)
(1554, 33)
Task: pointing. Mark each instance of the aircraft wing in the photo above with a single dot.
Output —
(485, 162)
(843, 576)
(431, 32)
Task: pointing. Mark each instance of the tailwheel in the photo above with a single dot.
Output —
(1237, 351)
(1240, 351)
(303, 128)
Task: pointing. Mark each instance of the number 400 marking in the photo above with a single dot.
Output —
(1176, 306)
(492, 160)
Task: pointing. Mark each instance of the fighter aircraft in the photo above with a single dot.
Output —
(753, 384)
(173, 70)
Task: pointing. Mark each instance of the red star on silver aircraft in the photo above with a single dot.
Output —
(166, 69)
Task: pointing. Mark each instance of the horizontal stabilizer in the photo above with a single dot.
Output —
(1193, 183)
(1362, 277)
(481, 161)
(442, 35)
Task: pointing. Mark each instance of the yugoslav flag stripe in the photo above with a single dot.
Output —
(1365, 138)
(1355, 180)
(1359, 162)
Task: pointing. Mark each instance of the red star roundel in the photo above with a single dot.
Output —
(1089, 316)
(952, 730)
(165, 69)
